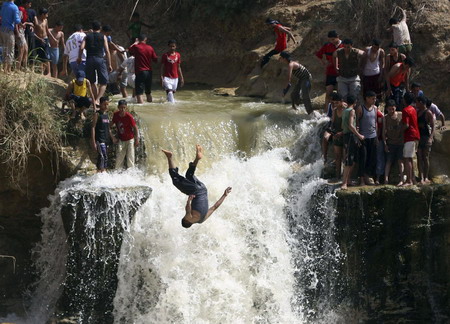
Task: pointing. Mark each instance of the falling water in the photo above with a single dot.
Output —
(267, 255)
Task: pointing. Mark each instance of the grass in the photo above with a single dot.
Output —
(28, 123)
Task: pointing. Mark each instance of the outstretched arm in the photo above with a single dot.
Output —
(218, 203)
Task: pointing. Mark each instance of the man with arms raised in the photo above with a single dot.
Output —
(197, 210)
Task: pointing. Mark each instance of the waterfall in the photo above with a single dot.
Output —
(267, 255)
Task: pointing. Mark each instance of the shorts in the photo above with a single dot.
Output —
(80, 102)
(7, 40)
(371, 83)
(41, 49)
(351, 145)
(96, 70)
(409, 150)
(143, 82)
(423, 143)
(112, 78)
(131, 77)
(330, 80)
(338, 141)
(20, 38)
(395, 152)
(170, 84)
(53, 54)
(75, 67)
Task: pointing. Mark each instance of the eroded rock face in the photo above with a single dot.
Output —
(396, 242)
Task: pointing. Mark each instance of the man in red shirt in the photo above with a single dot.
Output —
(128, 133)
(325, 55)
(283, 36)
(171, 70)
(143, 57)
(410, 137)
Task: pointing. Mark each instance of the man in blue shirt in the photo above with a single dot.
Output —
(10, 18)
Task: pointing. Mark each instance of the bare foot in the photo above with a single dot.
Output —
(407, 184)
(344, 186)
(400, 184)
(199, 154)
(426, 181)
(167, 153)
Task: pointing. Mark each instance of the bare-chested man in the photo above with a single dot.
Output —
(42, 44)
(197, 210)
(55, 43)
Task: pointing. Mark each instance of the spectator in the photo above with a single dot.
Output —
(21, 42)
(41, 40)
(171, 70)
(425, 122)
(77, 94)
(400, 32)
(373, 66)
(410, 136)
(393, 140)
(393, 57)
(143, 57)
(381, 156)
(346, 61)
(398, 81)
(437, 114)
(10, 18)
(126, 76)
(128, 133)
(283, 34)
(366, 121)
(337, 131)
(55, 42)
(96, 46)
(328, 134)
(352, 140)
(71, 51)
(29, 29)
(101, 133)
(325, 55)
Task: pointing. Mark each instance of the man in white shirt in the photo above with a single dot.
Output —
(126, 76)
(71, 51)
(400, 33)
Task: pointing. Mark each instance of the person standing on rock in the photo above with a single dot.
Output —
(10, 17)
(352, 140)
(197, 210)
(71, 51)
(128, 133)
(346, 62)
(393, 140)
(325, 55)
(373, 66)
(101, 133)
(400, 32)
(55, 42)
(144, 55)
(410, 137)
(283, 35)
(425, 122)
(303, 85)
(171, 71)
(397, 81)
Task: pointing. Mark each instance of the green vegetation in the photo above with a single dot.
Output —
(28, 123)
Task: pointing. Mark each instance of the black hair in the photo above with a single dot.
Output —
(422, 99)
(393, 21)
(286, 56)
(429, 102)
(77, 27)
(42, 11)
(409, 61)
(142, 37)
(393, 45)
(172, 41)
(185, 223)
(335, 96)
(376, 42)
(391, 103)
(59, 23)
(350, 100)
(135, 15)
(347, 41)
(409, 98)
(415, 85)
(369, 93)
(26, 1)
(103, 99)
(96, 25)
(122, 102)
(106, 28)
(271, 21)
(332, 34)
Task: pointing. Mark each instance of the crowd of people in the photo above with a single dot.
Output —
(377, 118)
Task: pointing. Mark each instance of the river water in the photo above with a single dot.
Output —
(267, 255)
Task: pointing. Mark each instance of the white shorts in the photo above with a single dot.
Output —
(409, 149)
(130, 79)
(170, 84)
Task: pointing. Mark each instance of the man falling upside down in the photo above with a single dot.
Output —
(197, 210)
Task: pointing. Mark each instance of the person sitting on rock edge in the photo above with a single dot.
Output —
(197, 210)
